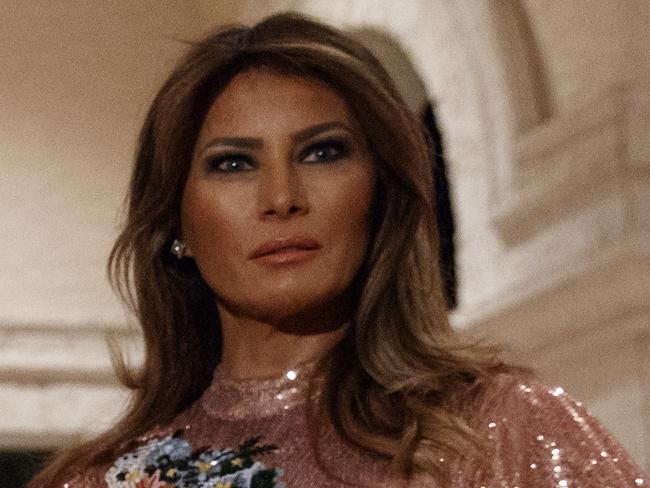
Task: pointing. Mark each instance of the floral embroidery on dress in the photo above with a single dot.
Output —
(169, 462)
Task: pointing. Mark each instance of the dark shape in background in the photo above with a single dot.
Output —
(445, 218)
(18, 467)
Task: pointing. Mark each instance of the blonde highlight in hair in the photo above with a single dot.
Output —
(400, 378)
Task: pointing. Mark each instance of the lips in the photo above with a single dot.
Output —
(285, 245)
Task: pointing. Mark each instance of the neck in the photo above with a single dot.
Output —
(260, 349)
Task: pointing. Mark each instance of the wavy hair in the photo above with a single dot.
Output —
(397, 386)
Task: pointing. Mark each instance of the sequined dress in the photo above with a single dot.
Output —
(253, 433)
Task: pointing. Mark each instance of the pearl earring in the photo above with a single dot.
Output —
(178, 247)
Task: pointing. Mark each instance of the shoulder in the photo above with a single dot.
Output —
(540, 433)
(92, 477)
(130, 468)
(524, 406)
(519, 395)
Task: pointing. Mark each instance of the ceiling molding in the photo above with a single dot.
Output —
(571, 162)
(586, 295)
(46, 353)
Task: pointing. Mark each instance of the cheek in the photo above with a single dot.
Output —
(219, 225)
(213, 227)
(349, 214)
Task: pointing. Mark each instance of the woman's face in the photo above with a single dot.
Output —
(275, 210)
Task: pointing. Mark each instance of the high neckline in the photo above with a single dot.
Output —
(236, 399)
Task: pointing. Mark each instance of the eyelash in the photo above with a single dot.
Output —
(340, 148)
(215, 162)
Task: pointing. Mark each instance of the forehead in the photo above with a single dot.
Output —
(260, 100)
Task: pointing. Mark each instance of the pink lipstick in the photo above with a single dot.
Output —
(284, 251)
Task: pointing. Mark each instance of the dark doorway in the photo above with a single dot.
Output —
(444, 213)
(18, 467)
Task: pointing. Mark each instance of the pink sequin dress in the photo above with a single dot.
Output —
(253, 433)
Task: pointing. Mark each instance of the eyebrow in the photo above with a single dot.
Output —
(256, 143)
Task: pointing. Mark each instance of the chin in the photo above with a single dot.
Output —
(288, 305)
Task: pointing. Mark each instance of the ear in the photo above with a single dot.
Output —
(187, 252)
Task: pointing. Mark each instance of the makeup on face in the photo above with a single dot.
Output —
(275, 208)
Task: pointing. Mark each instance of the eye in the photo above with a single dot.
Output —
(229, 163)
(325, 151)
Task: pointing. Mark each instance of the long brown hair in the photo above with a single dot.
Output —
(401, 365)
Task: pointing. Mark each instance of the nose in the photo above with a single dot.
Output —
(282, 192)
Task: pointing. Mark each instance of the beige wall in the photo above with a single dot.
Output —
(76, 78)
(75, 82)
(545, 111)
(585, 47)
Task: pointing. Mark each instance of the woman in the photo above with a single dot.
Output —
(281, 250)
